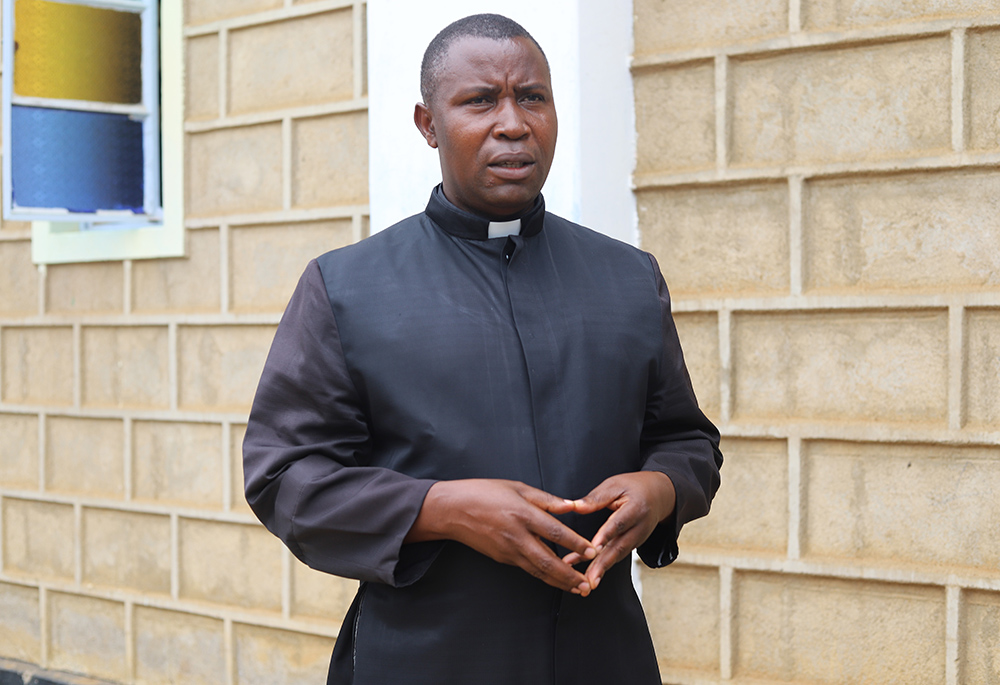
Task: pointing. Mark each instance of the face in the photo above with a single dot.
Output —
(493, 122)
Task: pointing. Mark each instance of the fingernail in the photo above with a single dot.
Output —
(590, 553)
(597, 581)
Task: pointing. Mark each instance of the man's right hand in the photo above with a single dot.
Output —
(507, 521)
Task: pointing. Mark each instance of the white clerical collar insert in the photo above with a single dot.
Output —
(502, 229)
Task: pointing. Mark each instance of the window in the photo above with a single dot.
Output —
(90, 156)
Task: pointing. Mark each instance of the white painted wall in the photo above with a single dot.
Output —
(588, 44)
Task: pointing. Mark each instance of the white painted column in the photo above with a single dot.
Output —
(588, 44)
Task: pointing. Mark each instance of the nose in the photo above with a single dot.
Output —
(510, 122)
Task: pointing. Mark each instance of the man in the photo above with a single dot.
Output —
(481, 411)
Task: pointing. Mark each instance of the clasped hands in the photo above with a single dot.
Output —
(510, 521)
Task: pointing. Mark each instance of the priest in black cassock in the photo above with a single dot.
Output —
(481, 411)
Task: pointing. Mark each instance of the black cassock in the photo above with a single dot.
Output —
(431, 352)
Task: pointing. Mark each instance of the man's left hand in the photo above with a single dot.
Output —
(638, 501)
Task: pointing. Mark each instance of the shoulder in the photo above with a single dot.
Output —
(594, 244)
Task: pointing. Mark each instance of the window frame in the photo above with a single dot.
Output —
(105, 236)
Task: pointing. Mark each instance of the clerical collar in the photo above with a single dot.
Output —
(463, 224)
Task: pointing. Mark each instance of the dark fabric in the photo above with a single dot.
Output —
(429, 352)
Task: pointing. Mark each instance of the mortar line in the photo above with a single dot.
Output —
(130, 639)
(725, 362)
(224, 268)
(956, 366)
(175, 563)
(286, 583)
(286, 163)
(43, 419)
(795, 498)
(958, 89)
(721, 112)
(223, 72)
(794, 16)
(227, 466)
(127, 457)
(172, 371)
(77, 365)
(77, 544)
(43, 624)
(727, 624)
(127, 286)
(357, 53)
(796, 221)
(953, 631)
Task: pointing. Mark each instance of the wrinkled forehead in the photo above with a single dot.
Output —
(473, 59)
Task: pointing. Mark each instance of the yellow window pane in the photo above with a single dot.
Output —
(77, 53)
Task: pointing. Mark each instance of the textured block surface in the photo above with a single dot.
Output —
(85, 456)
(265, 656)
(178, 462)
(980, 656)
(188, 284)
(834, 14)
(201, 80)
(798, 628)
(38, 538)
(699, 336)
(36, 365)
(750, 511)
(87, 635)
(20, 623)
(719, 240)
(19, 451)
(234, 171)
(86, 288)
(982, 368)
(230, 563)
(173, 647)
(330, 165)
(126, 366)
(675, 118)
(913, 232)
(220, 365)
(18, 279)
(837, 105)
(982, 65)
(268, 260)
(268, 70)
(201, 11)
(682, 606)
(126, 550)
(320, 595)
(663, 25)
(889, 366)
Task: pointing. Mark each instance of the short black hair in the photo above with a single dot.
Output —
(493, 26)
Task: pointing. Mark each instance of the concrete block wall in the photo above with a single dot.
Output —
(127, 552)
(819, 182)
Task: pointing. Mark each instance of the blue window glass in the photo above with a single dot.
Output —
(80, 161)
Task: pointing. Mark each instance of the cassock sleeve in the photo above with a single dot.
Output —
(677, 440)
(306, 444)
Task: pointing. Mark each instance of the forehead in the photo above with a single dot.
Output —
(472, 60)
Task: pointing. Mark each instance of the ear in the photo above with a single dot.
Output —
(425, 123)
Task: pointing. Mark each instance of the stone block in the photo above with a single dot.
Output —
(319, 595)
(20, 623)
(125, 366)
(725, 240)
(980, 639)
(265, 656)
(982, 89)
(875, 366)
(230, 563)
(699, 335)
(87, 635)
(239, 499)
(19, 451)
(202, 11)
(862, 500)
(664, 25)
(201, 78)
(18, 279)
(927, 232)
(827, 15)
(220, 365)
(173, 647)
(266, 261)
(750, 512)
(304, 61)
(851, 104)
(187, 284)
(234, 170)
(675, 118)
(682, 608)
(37, 365)
(177, 462)
(804, 629)
(38, 538)
(85, 456)
(982, 368)
(330, 160)
(91, 288)
(126, 550)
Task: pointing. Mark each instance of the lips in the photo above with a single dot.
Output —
(512, 166)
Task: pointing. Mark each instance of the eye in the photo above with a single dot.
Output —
(533, 97)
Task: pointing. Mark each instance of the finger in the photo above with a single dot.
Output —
(554, 530)
(547, 567)
(617, 524)
(609, 556)
(544, 500)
